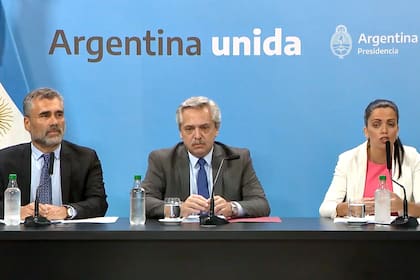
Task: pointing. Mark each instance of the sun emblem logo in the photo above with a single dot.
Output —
(341, 43)
(6, 117)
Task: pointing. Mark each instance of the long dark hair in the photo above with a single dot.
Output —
(398, 146)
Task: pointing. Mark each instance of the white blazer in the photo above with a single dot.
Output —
(350, 177)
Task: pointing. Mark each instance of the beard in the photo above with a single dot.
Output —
(49, 141)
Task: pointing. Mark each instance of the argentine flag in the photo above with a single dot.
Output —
(12, 130)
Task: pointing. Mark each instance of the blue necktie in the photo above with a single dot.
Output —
(44, 189)
(202, 184)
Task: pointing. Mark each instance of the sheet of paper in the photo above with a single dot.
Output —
(97, 220)
(370, 219)
(256, 220)
(191, 219)
(2, 221)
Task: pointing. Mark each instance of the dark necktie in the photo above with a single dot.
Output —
(44, 189)
(202, 183)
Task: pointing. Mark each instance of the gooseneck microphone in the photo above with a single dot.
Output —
(211, 219)
(51, 167)
(37, 220)
(388, 157)
(404, 220)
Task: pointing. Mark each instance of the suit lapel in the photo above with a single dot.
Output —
(24, 180)
(362, 164)
(65, 172)
(218, 155)
(182, 165)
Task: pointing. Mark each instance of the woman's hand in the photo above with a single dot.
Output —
(396, 204)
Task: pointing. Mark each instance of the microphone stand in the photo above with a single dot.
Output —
(404, 221)
(36, 220)
(211, 219)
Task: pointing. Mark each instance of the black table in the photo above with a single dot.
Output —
(296, 248)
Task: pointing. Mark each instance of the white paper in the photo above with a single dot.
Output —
(370, 219)
(191, 219)
(97, 220)
(2, 221)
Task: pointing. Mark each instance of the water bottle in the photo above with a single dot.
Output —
(137, 203)
(382, 202)
(12, 202)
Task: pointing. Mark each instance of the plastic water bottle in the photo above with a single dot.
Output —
(382, 202)
(12, 202)
(137, 203)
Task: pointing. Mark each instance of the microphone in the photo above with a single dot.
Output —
(51, 167)
(36, 220)
(404, 220)
(211, 219)
(388, 157)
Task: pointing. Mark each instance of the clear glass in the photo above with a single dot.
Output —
(172, 208)
(357, 209)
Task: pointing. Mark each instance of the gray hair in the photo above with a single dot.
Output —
(200, 102)
(40, 93)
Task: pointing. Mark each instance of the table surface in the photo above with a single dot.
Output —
(287, 229)
(296, 248)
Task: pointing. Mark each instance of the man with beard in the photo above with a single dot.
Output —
(73, 186)
(185, 170)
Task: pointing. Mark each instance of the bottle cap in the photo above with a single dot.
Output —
(12, 176)
(382, 177)
(137, 177)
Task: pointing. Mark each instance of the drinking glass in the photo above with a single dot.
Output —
(357, 209)
(172, 208)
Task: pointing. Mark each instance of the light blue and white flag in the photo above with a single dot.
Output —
(12, 130)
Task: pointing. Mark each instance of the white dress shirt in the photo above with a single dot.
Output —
(37, 161)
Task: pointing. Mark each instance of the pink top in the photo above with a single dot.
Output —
(372, 178)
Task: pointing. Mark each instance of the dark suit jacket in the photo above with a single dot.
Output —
(82, 183)
(168, 175)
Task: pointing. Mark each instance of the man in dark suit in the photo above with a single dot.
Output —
(76, 182)
(175, 172)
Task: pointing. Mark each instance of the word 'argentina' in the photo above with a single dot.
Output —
(271, 45)
(152, 45)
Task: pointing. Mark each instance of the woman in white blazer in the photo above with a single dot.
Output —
(356, 172)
